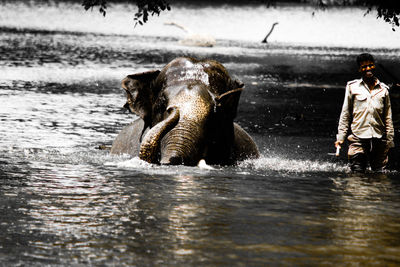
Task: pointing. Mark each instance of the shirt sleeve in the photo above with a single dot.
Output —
(388, 121)
(345, 116)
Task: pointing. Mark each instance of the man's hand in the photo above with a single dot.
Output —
(338, 146)
(390, 144)
(338, 143)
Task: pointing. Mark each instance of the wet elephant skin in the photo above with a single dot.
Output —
(187, 113)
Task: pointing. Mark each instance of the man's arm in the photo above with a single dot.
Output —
(345, 116)
(388, 121)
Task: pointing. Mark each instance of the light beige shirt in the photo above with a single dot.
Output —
(367, 112)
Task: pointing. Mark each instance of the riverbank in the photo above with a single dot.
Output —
(303, 25)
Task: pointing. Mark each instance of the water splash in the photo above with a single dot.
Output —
(135, 163)
(264, 165)
(141, 166)
(284, 164)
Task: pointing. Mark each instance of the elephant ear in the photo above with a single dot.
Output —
(227, 103)
(139, 93)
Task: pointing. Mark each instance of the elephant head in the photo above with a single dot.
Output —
(189, 107)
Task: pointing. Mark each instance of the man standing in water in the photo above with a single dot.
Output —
(367, 112)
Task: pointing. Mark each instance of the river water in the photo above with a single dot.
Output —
(65, 202)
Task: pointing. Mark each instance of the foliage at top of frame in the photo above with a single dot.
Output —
(388, 10)
(146, 8)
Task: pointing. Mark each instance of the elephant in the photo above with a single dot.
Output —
(186, 112)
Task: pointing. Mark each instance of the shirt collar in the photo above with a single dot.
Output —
(378, 84)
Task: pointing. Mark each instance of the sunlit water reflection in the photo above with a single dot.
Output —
(65, 202)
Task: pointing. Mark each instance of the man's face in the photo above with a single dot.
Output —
(367, 69)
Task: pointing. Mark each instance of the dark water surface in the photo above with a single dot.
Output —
(64, 202)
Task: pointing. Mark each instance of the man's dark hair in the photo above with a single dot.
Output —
(364, 57)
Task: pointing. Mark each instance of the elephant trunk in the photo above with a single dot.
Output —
(181, 144)
(150, 145)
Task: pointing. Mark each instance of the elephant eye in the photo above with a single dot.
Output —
(134, 94)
